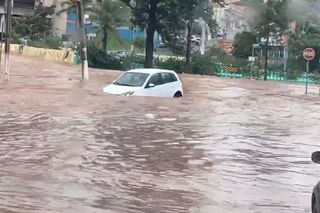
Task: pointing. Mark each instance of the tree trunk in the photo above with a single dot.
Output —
(151, 28)
(188, 53)
(105, 40)
(266, 59)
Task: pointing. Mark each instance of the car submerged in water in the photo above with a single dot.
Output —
(147, 82)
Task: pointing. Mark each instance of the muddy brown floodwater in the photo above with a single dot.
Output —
(228, 146)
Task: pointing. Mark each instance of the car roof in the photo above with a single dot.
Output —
(151, 71)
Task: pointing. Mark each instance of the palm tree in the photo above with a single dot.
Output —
(109, 14)
(71, 6)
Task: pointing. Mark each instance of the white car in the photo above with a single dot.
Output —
(147, 82)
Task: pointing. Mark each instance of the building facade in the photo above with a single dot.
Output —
(21, 7)
(59, 21)
(232, 18)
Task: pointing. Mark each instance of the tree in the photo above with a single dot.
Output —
(196, 9)
(35, 27)
(297, 43)
(147, 15)
(242, 45)
(109, 14)
(303, 12)
(181, 17)
(139, 43)
(270, 24)
(71, 6)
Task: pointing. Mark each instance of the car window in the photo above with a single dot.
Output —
(166, 78)
(132, 79)
(155, 79)
(173, 77)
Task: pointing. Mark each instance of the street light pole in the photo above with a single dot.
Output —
(266, 59)
(307, 77)
(83, 40)
(252, 54)
(9, 5)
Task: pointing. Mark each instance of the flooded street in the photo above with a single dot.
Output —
(228, 146)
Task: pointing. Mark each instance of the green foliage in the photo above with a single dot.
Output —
(182, 16)
(208, 64)
(35, 27)
(297, 43)
(139, 43)
(169, 18)
(203, 65)
(217, 53)
(114, 44)
(295, 68)
(71, 6)
(98, 58)
(242, 45)
(108, 15)
(132, 61)
(148, 15)
(49, 43)
(271, 19)
(175, 64)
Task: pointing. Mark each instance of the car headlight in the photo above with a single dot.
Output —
(128, 93)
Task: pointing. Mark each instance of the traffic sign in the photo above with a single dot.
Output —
(232, 69)
(252, 59)
(309, 54)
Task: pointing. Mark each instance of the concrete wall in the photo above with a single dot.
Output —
(45, 54)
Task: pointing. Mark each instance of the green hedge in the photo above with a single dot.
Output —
(200, 64)
(175, 64)
(98, 58)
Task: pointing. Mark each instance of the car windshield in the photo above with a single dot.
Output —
(132, 79)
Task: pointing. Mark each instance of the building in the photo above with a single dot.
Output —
(21, 7)
(232, 18)
(59, 21)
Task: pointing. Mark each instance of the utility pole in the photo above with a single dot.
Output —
(307, 76)
(266, 59)
(203, 37)
(83, 40)
(9, 6)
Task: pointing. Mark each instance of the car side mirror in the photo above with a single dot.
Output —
(151, 85)
(316, 157)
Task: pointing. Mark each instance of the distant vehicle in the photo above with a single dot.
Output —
(195, 39)
(220, 33)
(147, 82)
(315, 200)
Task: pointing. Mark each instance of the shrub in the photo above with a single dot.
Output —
(139, 43)
(98, 58)
(203, 65)
(132, 61)
(175, 64)
(48, 43)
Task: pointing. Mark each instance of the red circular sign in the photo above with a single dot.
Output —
(309, 54)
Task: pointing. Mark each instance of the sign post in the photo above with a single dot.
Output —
(252, 60)
(309, 55)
